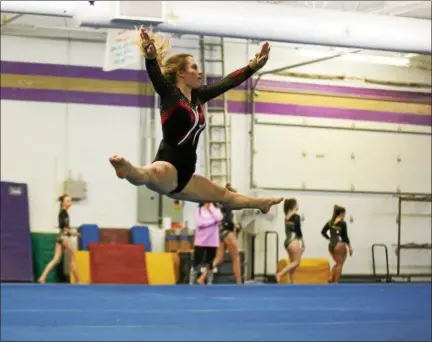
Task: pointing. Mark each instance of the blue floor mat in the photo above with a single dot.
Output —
(349, 312)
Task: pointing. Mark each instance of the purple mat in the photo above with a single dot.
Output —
(15, 238)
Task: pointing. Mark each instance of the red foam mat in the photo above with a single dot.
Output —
(118, 264)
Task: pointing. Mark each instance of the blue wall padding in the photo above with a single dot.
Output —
(140, 235)
(89, 234)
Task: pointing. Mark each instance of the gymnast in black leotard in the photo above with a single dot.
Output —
(183, 119)
(63, 243)
(338, 241)
(178, 83)
(294, 243)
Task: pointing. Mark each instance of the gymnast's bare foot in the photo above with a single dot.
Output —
(121, 166)
(41, 281)
(267, 203)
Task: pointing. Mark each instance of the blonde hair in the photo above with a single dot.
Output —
(169, 66)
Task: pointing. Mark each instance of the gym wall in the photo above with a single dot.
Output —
(83, 115)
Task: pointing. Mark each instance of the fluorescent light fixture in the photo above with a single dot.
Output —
(369, 59)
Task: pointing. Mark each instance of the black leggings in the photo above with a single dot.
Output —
(204, 256)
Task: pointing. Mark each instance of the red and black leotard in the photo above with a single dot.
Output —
(183, 120)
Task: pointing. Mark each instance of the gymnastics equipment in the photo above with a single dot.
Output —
(225, 274)
(43, 252)
(217, 138)
(400, 246)
(140, 235)
(310, 271)
(171, 240)
(114, 235)
(89, 234)
(160, 268)
(374, 246)
(83, 268)
(267, 276)
(16, 252)
(118, 264)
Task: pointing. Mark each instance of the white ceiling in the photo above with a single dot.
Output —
(412, 9)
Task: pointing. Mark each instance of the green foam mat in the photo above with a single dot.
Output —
(43, 245)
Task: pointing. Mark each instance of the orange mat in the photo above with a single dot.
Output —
(118, 264)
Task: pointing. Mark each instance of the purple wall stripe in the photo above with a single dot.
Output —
(320, 89)
(40, 95)
(378, 94)
(126, 100)
(341, 113)
(58, 70)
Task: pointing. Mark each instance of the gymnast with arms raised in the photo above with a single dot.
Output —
(177, 81)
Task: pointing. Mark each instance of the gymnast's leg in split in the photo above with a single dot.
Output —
(162, 177)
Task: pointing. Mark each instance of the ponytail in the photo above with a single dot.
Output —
(337, 210)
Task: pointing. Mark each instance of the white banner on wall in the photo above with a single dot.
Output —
(121, 49)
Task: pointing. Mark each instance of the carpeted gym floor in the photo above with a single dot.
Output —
(349, 312)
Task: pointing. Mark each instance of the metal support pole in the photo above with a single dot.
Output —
(399, 223)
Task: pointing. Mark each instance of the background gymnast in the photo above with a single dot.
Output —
(178, 83)
(294, 243)
(63, 241)
(228, 240)
(339, 241)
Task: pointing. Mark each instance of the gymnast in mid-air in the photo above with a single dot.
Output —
(177, 80)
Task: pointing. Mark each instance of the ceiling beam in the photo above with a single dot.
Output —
(413, 7)
(404, 6)
(6, 20)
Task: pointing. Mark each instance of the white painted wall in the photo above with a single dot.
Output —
(41, 143)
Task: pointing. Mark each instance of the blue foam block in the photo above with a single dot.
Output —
(89, 234)
(140, 235)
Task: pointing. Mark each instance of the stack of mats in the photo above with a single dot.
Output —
(43, 251)
(157, 268)
(310, 271)
(123, 263)
(171, 241)
(185, 260)
(225, 274)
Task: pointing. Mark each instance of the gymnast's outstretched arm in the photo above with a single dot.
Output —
(209, 92)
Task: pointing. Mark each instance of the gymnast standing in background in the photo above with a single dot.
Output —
(338, 241)
(294, 243)
(63, 243)
(228, 240)
(206, 243)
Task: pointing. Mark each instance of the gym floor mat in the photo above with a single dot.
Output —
(348, 312)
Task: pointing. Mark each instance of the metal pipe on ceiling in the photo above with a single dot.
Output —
(245, 20)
